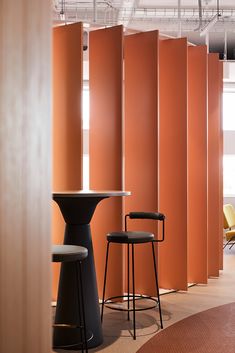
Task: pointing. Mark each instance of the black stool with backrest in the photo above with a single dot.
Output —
(132, 238)
(76, 254)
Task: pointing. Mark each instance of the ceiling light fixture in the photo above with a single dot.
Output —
(62, 14)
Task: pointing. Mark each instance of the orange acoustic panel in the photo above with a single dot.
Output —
(172, 162)
(221, 191)
(106, 75)
(67, 130)
(25, 176)
(215, 210)
(141, 114)
(197, 165)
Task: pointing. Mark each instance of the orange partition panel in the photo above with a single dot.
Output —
(25, 176)
(67, 130)
(197, 165)
(215, 211)
(172, 163)
(141, 114)
(221, 189)
(106, 75)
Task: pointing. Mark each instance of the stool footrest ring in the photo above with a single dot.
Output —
(137, 297)
(67, 326)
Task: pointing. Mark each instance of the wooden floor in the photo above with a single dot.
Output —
(175, 306)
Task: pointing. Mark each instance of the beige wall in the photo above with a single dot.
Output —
(25, 177)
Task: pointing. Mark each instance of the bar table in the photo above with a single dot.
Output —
(77, 208)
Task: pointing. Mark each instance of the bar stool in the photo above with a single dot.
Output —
(76, 254)
(132, 238)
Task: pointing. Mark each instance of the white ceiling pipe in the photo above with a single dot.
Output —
(94, 11)
(209, 25)
(200, 15)
(225, 46)
(207, 41)
(179, 19)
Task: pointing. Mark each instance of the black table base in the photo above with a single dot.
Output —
(77, 210)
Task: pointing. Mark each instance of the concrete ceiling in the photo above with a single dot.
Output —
(210, 22)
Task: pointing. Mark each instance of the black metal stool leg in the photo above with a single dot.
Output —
(133, 286)
(78, 288)
(157, 287)
(83, 310)
(128, 282)
(105, 276)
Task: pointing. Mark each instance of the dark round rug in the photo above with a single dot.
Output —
(210, 331)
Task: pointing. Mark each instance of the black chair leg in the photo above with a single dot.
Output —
(105, 277)
(157, 287)
(78, 286)
(231, 246)
(133, 286)
(84, 339)
(128, 282)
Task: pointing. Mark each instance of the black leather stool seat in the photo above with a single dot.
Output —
(130, 237)
(68, 253)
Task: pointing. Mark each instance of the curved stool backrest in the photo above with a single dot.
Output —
(156, 216)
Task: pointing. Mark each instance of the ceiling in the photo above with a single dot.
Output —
(210, 22)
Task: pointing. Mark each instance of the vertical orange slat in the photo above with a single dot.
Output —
(172, 162)
(214, 164)
(221, 191)
(106, 74)
(25, 176)
(215, 211)
(67, 130)
(141, 113)
(197, 165)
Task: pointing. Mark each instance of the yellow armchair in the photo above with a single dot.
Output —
(229, 225)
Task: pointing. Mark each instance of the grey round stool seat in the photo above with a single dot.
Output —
(68, 253)
(74, 254)
(130, 239)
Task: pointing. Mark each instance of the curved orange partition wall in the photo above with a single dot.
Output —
(215, 210)
(141, 120)
(172, 163)
(67, 130)
(197, 165)
(106, 75)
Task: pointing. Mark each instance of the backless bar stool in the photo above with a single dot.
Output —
(132, 238)
(76, 254)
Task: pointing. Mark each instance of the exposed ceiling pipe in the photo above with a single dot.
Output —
(179, 19)
(209, 25)
(225, 45)
(212, 22)
(94, 11)
(200, 15)
(218, 9)
(207, 41)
